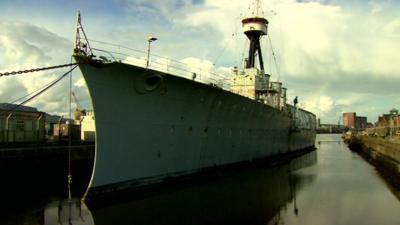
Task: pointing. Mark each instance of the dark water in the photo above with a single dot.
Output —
(329, 186)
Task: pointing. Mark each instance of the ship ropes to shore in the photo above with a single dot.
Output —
(169, 119)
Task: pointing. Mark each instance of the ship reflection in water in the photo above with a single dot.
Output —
(252, 197)
(337, 187)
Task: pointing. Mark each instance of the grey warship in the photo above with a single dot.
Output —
(154, 123)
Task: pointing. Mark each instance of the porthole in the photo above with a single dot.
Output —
(153, 82)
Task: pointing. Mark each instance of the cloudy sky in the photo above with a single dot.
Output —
(336, 55)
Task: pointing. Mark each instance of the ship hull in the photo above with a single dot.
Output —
(151, 125)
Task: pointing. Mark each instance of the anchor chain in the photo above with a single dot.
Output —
(36, 69)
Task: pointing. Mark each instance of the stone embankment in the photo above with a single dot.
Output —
(383, 153)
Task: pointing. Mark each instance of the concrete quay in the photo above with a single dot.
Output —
(383, 153)
(46, 151)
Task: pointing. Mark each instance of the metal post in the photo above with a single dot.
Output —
(7, 126)
(120, 54)
(148, 55)
(37, 126)
(77, 34)
(59, 128)
(149, 40)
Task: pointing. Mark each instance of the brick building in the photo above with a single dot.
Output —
(349, 120)
(352, 121)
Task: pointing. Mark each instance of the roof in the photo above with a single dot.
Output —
(8, 106)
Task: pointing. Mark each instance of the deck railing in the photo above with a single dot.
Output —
(206, 74)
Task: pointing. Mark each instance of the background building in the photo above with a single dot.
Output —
(352, 121)
(349, 120)
(391, 119)
(25, 124)
(361, 122)
(88, 129)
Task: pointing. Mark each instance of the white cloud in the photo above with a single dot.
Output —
(354, 51)
(317, 43)
(392, 29)
(314, 38)
(26, 46)
(80, 83)
(319, 105)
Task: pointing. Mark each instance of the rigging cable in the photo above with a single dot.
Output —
(237, 57)
(29, 94)
(244, 58)
(223, 49)
(69, 177)
(274, 57)
(41, 90)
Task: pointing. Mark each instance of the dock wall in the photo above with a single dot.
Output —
(383, 153)
(385, 147)
(39, 172)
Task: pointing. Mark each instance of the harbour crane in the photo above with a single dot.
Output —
(79, 112)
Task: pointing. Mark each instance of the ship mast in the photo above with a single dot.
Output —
(254, 27)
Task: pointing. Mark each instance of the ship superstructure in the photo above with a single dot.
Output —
(253, 82)
(164, 124)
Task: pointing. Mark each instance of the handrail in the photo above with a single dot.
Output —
(162, 64)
